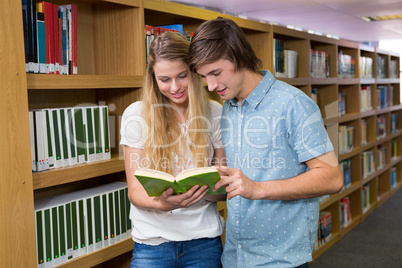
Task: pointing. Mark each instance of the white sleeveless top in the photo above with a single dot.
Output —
(201, 220)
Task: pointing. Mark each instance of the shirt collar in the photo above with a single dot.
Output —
(259, 92)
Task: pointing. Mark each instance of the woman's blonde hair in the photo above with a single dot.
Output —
(164, 138)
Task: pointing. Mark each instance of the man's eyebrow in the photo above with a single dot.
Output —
(211, 72)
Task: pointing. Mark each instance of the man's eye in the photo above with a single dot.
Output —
(216, 74)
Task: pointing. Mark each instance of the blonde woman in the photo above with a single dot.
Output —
(173, 128)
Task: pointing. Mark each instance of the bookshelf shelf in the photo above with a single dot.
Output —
(58, 176)
(56, 82)
(355, 221)
(100, 256)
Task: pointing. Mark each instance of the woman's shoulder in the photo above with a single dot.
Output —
(133, 108)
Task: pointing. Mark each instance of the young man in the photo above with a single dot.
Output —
(279, 156)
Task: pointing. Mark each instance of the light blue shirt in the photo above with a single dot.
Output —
(269, 137)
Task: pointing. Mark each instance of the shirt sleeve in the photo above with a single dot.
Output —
(133, 127)
(215, 118)
(306, 131)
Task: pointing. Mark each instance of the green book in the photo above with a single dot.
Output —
(156, 182)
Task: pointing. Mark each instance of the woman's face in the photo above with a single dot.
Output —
(172, 79)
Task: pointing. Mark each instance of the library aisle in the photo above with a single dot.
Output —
(376, 242)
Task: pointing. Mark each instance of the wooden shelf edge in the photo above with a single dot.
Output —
(321, 249)
(57, 176)
(100, 256)
(132, 3)
(201, 14)
(56, 82)
(369, 211)
(355, 221)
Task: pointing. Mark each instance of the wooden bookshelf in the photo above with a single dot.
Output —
(111, 67)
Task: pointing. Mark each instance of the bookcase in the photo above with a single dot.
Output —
(111, 67)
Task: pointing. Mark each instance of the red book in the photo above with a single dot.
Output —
(74, 36)
(56, 38)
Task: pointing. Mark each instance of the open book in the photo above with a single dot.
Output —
(156, 182)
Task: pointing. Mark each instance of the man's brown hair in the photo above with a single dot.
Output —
(222, 39)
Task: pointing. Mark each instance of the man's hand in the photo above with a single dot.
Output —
(168, 201)
(236, 183)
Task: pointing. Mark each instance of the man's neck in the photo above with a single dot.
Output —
(250, 82)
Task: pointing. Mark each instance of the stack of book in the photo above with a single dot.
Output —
(381, 156)
(394, 149)
(341, 103)
(346, 138)
(365, 99)
(363, 125)
(381, 126)
(393, 178)
(50, 35)
(367, 163)
(366, 67)
(346, 217)
(394, 122)
(384, 96)
(324, 228)
(347, 173)
(381, 60)
(67, 136)
(319, 64)
(346, 66)
(74, 224)
(365, 197)
(285, 60)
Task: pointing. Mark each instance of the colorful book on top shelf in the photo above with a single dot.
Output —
(50, 33)
(156, 182)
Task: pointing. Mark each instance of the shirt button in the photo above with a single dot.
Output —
(239, 246)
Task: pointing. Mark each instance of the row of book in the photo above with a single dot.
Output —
(393, 178)
(367, 159)
(347, 173)
(394, 149)
(384, 96)
(346, 136)
(285, 60)
(324, 232)
(394, 123)
(50, 37)
(74, 224)
(319, 64)
(365, 98)
(381, 68)
(393, 69)
(381, 156)
(346, 66)
(346, 216)
(365, 197)
(67, 136)
(366, 67)
(341, 103)
(381, 126)
(151, 32)
(363, 127)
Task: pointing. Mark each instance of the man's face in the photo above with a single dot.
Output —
(220, 76)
